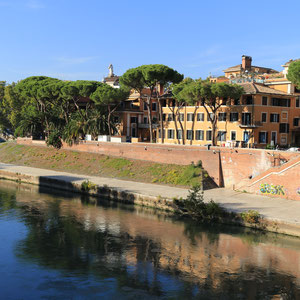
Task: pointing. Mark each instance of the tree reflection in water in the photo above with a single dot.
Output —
(147, 255)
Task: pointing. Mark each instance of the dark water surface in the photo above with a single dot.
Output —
(67, 247)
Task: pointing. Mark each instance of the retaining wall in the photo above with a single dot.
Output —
(233, 168)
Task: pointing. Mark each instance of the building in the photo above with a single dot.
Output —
(262, 116)
(246, 67)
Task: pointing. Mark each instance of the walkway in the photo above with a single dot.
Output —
(277, 209)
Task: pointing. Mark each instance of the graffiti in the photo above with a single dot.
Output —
(298, 191)
(271, 189)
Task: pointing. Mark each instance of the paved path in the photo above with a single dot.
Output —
(286, 211)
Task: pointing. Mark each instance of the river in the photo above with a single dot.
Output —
(57, 245)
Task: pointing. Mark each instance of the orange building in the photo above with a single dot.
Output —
(262, 116)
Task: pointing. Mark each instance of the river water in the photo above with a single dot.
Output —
(55, 245)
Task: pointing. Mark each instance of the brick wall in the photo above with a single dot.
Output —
(233, 168)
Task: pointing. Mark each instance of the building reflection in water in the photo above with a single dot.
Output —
(153, 252)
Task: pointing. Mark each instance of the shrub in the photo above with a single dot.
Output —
(251, 216)
(88, 185)
(195, 206)
(54, 139)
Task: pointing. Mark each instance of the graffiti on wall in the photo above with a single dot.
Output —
(271, 189)
(298, 191)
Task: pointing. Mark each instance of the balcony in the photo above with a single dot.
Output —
(146, 125)
(250, 125)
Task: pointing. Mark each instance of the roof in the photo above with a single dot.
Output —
(239, 68)
(290, 61)
(254, 88)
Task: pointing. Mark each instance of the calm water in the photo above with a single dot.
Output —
(67, 247)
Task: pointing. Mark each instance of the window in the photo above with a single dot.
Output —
(145, 120)
(249, 100)
(164, 117)
(298, 102)
(246, 118)
(264, 100)
(246, 136)
(189, 134)
(222, 116)
(181, 117)
(221, 136)
(263, 117)
(208, 135)
(281, 102)
(274, 137)
(296, 122)
(133, 120)
(237, 102)
(200, 117)
(233, 136)
(190, 117)
(274, 118)
(234, 117)
(179, 134)
(170, 117)
(263, 137)
(145, 106)
(284, 128)
(211, 116)
(154, 106)
(159, 133)
(199, 135)
(170, 134)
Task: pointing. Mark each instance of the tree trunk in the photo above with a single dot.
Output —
(108, 120)
(161, 121)
(149, 102)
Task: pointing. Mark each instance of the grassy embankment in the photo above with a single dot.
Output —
(102, 165)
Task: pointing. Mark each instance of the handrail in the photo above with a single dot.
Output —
(276, 173)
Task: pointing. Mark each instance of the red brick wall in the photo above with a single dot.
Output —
(280, 181)
(233, 167)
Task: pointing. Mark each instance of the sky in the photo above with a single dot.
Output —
(78, 39)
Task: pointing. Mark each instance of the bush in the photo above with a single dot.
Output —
(54, 139)
(251, 216)
(195, 206)
(88, 185)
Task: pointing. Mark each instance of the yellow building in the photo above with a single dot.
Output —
(262, 116)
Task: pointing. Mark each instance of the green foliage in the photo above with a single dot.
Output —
(54, 139)
(251, 216)
(195, 206)
(87, 186)
(294, 73)
(211, 95)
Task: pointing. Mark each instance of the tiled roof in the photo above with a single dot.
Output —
(290, 61)
(254, 88)
(239, 68)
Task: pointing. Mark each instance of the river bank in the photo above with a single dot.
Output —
(279, 215)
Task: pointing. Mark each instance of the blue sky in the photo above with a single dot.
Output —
(76, 39)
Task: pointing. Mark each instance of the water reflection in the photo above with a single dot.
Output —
(114, 252)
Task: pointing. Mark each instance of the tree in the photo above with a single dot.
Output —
(33, 90)
(180, 102)
(294, 73)
(211, 96)
(149, 76)
(109, 98)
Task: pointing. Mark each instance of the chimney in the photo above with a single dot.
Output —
(246, 62)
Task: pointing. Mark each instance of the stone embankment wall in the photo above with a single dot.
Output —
(234, 168)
